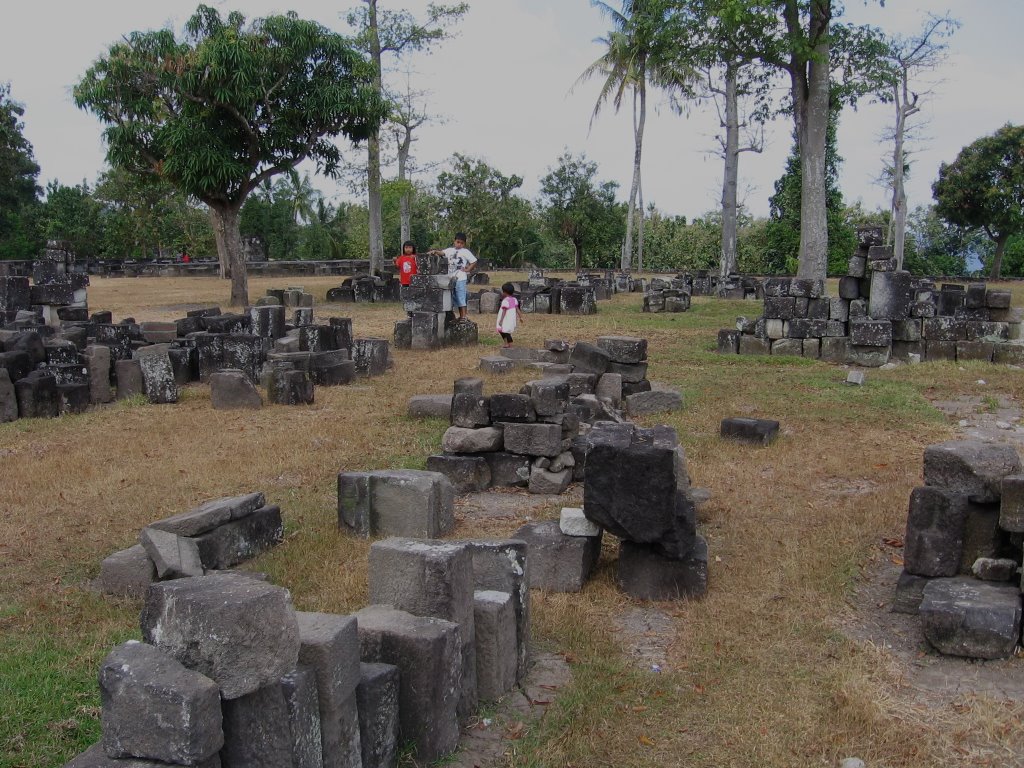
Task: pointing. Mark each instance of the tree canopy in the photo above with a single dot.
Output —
(19, 193)
(983, 189)
(229, 105)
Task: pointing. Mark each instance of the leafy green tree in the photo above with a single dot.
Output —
(983, 189)
(73, 214)
(229, 106)
(578, 208)
(480, 200)
(936, 248)
(19, 193)
(641, 48)
(784, 231)
(398, 33)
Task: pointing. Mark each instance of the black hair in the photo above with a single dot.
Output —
(409, 242)
(509, 289)
(460, 236)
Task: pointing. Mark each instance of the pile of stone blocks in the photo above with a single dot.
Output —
(587, 368)
(57, 292)
(432, 322)
(46, 371)
(666, 296)
(230, 675)
(363, 288)
(962, 550)
(214, 536)
(551, 295)
(293, 298)
(881, 314)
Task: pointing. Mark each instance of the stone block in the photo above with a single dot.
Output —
(128, 374)
(371, 356)
(558, 563)
(230, 388)
(629, 373)
(329, 644)
(587, 358)
(242, 539)
(403, 334)
(543, 481)
(290, 387)
(870, 333)
(257, 732)
(429, 578)
(96, 757)
(508, 407)
(909, 593)
(572, 522)
(1011, 505)
(988, 331)
(975, 350)
(502, 565)
(533, 439)
(463, 440)
(609, 387)
(966, 617)
(970, 468)
(467, 474)
(128, 572)
(835, 349)
(8, 398)
(728, 342)
(654, 401)
(944, 329)
(461, 333)
(238, 631)
(267, 322)
(429, 407)
(754, 431)
(428, 654)
(37, 395)
(301, 698)
(508, 469)
(869, 357)
(935, 532)
(995, 568)
(547, 396)
(496, 364)
(577, 300)
(781, 308)
(398, 502)
(1008, 354)
(623, 349)
(494, 623)
(210, 514)
(751, 345)
(794, 347)
(939, 350)
(470, 411)
(173, 556)
(377, 698)
(982, 536)
(154, 708)
(806, 328)
(73, 398)
(891, 295)
(646, 574)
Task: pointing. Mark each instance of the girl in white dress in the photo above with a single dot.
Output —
(509, 314)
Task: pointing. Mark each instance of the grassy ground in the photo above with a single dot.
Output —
(758, 673)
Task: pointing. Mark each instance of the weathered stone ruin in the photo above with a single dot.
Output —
(431, 321)
(962, 550)
(230, 675)
(214, 536)
(881, 314)
(666, 295)
(48, 369)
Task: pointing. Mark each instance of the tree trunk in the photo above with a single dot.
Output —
(579, 256)
(223, 267)
(727, 264)
(640, 227)
(229, 251)
(810, 86)
(638, 140)
(405, 203)
(997, 257)
(373, 152)
(904, 109)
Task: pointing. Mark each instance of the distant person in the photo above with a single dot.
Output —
(406, 262)
(509, 314)
(461, 262)
(186, 259)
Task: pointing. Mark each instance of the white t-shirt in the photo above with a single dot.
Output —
(458, 260)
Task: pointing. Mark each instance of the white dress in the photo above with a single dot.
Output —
(510, 318)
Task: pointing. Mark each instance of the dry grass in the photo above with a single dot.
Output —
(757, 673)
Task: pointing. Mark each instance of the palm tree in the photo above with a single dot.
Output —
(639, 49)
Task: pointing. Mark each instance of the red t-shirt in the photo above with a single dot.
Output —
(406, 268)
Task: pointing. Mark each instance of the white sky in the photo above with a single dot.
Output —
(504, 86)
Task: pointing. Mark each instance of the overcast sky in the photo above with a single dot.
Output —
(505, 88)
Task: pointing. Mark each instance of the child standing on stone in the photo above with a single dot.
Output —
(509, 314)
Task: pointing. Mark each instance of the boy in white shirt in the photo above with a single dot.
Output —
(461, 262)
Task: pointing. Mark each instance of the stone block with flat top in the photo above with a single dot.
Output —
(302, 702)
(935, 532)
(558, 563)
(756, 431)
(377, 697)
(646, 574)
(495, 626)
(972, 468)
(965, 617)
(398, 502)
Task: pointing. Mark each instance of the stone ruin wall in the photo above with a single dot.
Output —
(881, 314)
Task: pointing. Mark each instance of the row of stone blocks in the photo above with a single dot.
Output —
(229, 674)
(214, 536)
(962, 549)
(44, 372)
(434, 330)
(666, 300)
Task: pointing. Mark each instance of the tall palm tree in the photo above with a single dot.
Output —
(639, 49)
